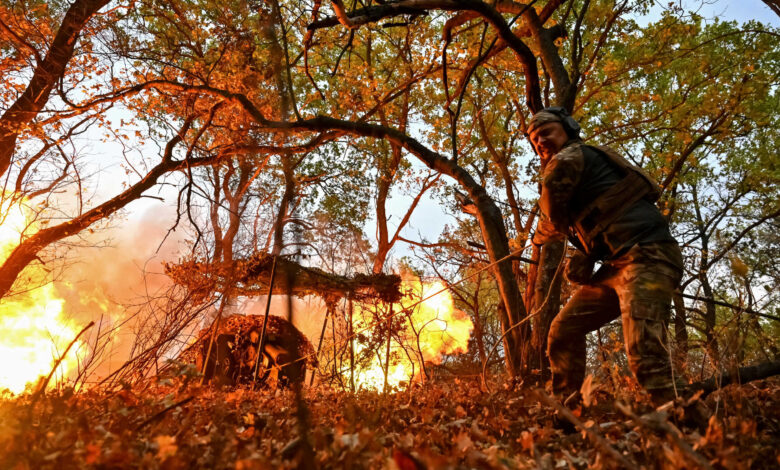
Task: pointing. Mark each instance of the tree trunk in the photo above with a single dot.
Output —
(530, 279)
(387, 349)
(709, 314)
(350, 332)
(709, 318)
(545, 289)
(742, 375)
(478, 328)
(216, 176)
(680, 334)
(384, 183)
(236, 206)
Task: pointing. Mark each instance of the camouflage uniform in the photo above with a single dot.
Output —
(637, 287)
(641, 267)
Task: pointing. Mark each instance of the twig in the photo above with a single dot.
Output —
(215, 327)
(625, 462)
(159, 414)
(42, 389)
(731, 306)
(261, 341)
(655, 423)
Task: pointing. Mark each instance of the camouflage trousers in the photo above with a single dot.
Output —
(637, 287)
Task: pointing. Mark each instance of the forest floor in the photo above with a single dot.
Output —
(177, 424)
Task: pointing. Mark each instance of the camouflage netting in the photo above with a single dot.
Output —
(250, 277)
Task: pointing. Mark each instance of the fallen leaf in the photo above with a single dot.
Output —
(406, 461)
(463, 442)
(166, 446)
(588, 390)
(93, 452)
(526, 440)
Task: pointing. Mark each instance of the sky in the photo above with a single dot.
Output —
(733, 10)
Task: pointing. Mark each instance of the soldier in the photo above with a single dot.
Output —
(605, 206)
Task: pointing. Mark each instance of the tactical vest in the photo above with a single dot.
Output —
(607, 207)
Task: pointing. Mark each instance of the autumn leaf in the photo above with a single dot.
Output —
(405, 461)
(166, 446)
(587, 390)
(463, 442)
(526, 440)
(93, 453)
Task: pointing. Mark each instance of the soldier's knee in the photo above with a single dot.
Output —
(557, 330)
(554, 341)
(565, 333)
(560, 346)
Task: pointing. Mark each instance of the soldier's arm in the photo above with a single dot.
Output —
(560, 179)
(546, 232)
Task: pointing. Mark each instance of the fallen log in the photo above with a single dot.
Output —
(742, 375)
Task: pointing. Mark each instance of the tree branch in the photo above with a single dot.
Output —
(46, 75)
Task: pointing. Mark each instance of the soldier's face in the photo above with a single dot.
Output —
(549, 139)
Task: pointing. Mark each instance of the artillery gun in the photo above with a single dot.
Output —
(233, 353)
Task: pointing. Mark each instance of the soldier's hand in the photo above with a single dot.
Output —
(579, 269)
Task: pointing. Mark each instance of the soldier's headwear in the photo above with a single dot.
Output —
(556, 114)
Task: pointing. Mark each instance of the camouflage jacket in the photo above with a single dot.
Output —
(575, 177)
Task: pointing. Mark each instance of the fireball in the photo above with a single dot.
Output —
(432, 328)
(33, 331)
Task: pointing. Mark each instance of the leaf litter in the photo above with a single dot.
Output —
(177, 424)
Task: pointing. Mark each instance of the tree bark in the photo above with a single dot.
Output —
(545, 289)
(565, 92)
(47, 74)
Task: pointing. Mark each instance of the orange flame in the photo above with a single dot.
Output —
(33, 331)
(431, 329)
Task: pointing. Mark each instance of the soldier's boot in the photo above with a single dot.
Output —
(696, 415)
(572, 402)
(689, 411)
(661, 397)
